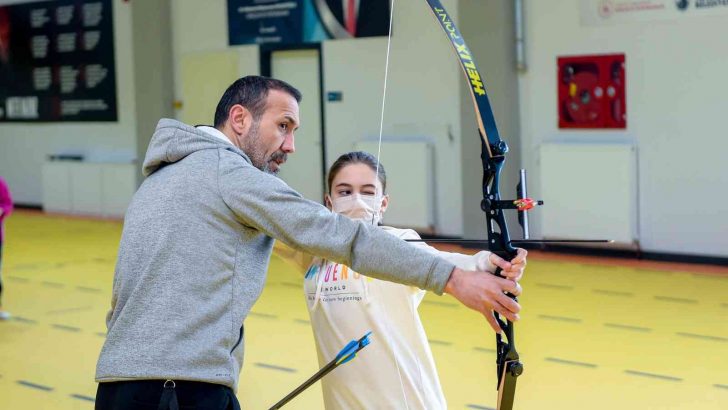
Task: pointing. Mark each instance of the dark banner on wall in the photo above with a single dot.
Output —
(57, 61)
(305, 21)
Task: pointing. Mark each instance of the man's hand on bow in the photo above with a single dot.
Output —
(485, 293)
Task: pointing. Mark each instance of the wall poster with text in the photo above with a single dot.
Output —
(57, 61)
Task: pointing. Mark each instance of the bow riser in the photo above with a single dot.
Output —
(507, 360)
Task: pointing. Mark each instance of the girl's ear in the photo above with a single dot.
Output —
(385, 202)
(327, 202)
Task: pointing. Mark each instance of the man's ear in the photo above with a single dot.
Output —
(240, 119)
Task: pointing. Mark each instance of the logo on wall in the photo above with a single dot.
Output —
(354, 18)
(606, 8)
(608, 12)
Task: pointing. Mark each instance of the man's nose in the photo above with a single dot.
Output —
(288, 144)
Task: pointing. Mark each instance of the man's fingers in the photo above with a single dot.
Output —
(510, 286)
(485, 293)
(504, 312)
(492, 322)
(507, 305)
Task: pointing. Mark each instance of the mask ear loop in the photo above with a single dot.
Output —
(377, 210)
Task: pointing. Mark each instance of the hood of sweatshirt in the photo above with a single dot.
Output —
(173, 141)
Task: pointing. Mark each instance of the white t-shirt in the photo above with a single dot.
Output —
(396, 371)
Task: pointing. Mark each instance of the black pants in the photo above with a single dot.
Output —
(157, 395)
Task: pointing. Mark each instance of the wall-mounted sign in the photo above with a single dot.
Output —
(334, 96)
(602, 12)
(305, 21)
(57, 61)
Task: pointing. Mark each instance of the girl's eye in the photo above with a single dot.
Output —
(368, 193)
(344, 192)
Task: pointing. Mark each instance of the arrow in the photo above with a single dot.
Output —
(346, 354)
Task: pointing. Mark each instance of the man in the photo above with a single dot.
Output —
(197, 241)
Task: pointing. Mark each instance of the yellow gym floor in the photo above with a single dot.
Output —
(594, 333)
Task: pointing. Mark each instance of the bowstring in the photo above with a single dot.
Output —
(384, 93)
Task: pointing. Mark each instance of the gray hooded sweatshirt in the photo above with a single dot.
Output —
(194, 253)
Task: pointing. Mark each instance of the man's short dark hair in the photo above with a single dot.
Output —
(251, 92)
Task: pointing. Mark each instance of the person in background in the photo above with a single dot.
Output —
(397, 371)
(6, 208)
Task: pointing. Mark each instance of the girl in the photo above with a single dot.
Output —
(398, 371)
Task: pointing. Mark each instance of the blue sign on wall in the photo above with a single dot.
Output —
(259, 22)
(305, 21)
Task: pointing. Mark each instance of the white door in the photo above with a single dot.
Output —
(303, 170)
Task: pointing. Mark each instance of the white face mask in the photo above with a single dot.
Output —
(359, 207)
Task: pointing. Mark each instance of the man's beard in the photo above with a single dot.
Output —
(276, 156)
(256, 152)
